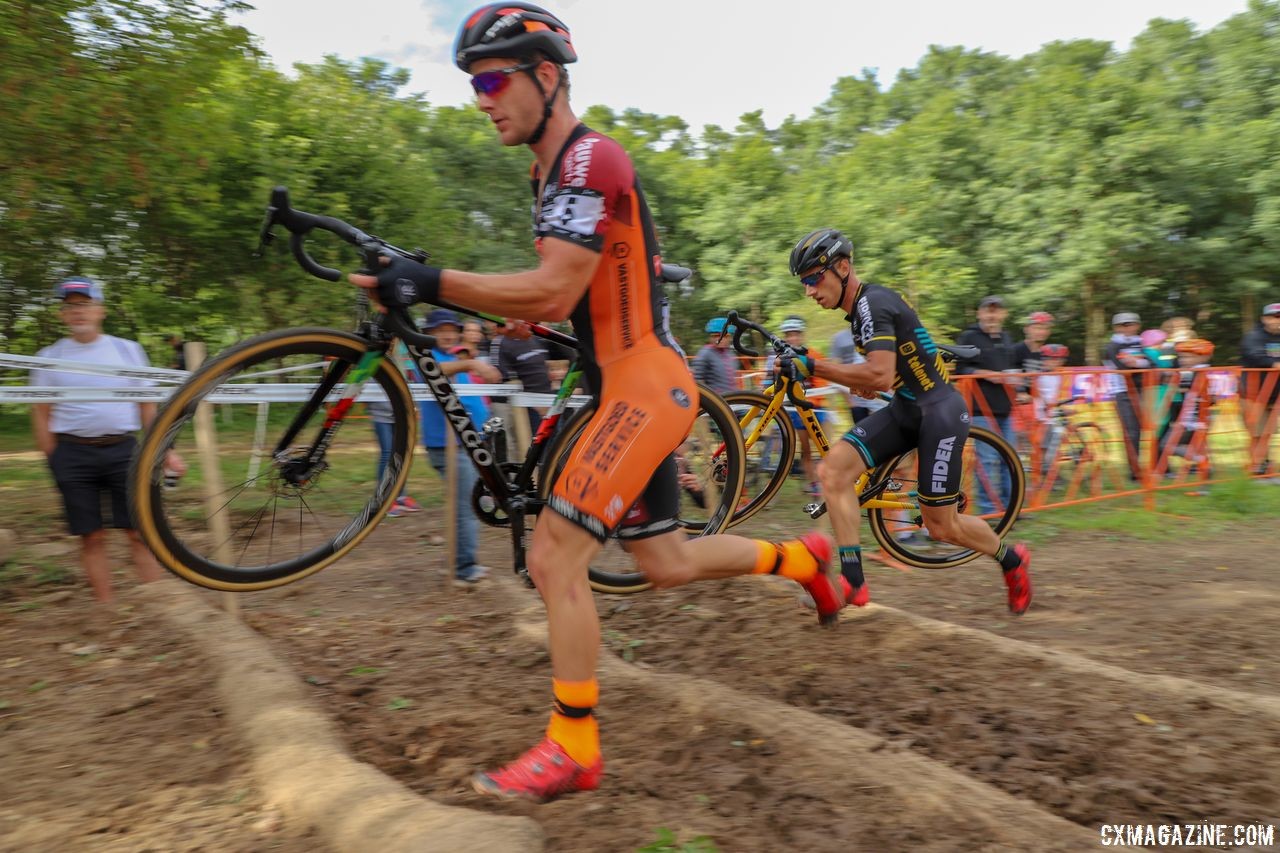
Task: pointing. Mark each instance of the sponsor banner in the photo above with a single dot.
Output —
(1099, 386)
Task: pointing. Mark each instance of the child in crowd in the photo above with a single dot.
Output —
(1048, 390)
(1189, 411)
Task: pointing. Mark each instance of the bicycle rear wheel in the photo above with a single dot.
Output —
(279, 497)
(900, 532)
(712, 451)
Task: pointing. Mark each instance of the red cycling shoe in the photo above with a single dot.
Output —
(829, 593)
(543, 773)
(1018, 581)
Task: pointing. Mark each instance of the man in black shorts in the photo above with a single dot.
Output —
(927, 414)
(89, 444)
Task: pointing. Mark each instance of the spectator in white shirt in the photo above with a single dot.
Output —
(89, 445)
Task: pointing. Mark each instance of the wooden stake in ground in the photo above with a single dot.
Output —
(259, 438)
(520, 426)
(207, 448)
(451, 508)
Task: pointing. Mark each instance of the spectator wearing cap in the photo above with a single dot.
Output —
(89, 444)
(715, 365)
(1124, 352)
(1026, 357)
(993, 400)
(446, 327)
(793, 332)
(1036, 332)
(1260, 352)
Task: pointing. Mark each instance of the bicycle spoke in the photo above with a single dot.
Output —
(240, 529)
(249, 538)
(244, 487)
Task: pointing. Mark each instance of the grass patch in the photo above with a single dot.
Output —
(666, 841)
(47, 572)
(366, 670)
(15, 429)
(1229, 504)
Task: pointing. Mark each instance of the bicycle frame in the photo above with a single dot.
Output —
(778, 393)
(513, 496)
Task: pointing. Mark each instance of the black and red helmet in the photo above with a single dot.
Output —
(1054, 351)
(514, 30)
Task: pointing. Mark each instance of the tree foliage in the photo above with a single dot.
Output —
(139, 140)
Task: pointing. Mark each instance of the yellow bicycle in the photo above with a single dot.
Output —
(886, 493)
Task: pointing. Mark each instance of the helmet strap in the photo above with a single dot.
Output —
(844, 288)
(547, 101)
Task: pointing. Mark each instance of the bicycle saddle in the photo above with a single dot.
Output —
(673, 274)
(960, 352)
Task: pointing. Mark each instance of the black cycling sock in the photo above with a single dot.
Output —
(1007, 558)
(851, 565)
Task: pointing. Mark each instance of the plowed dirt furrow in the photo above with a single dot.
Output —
(806, 747)
(1092, 743)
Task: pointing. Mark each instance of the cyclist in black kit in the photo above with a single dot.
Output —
(927, 414)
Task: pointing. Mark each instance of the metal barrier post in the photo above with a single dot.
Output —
(451, 508)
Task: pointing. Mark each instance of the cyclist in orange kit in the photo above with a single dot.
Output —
(598, 267)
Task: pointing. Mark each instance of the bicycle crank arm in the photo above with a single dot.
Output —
(519, 566)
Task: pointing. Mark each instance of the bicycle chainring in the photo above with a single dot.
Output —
(486, 507)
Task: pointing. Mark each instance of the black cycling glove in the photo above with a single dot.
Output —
(404, 282)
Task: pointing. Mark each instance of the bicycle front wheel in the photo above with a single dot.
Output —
(770, 449)
(711, 451)
(282, 489)
(988, 462)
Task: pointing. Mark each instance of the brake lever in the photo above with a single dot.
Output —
(371, 253)
(265, 235)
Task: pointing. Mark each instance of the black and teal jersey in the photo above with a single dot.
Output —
(882, 319)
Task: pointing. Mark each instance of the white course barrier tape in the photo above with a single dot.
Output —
(292, 393)
(247, 392)
(26, 362)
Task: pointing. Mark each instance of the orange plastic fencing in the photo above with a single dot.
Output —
(1091, 434)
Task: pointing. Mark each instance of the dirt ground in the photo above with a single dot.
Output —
(111, 738)
(115, 734)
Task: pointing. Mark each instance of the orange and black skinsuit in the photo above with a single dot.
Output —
(621, 475)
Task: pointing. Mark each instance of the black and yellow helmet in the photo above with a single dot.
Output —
(819, 249)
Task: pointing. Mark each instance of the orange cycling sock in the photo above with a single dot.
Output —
(573, 719)
(789, 559)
